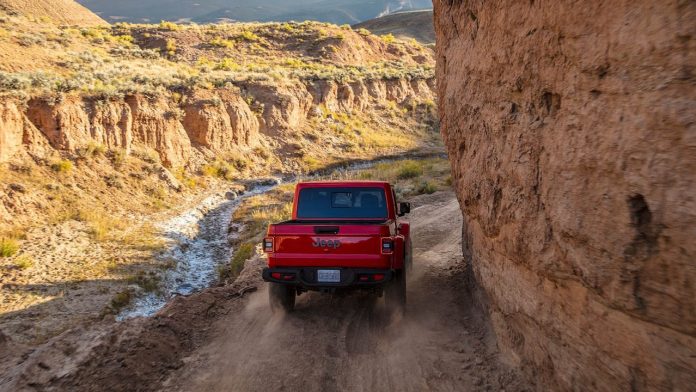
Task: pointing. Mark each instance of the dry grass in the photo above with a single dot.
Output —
(8, 247)
(125, 58)
(23, 262)
(62, 166)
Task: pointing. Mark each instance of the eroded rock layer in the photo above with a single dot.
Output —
(571, 128)
(217, 120)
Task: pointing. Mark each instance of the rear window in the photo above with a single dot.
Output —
(342, 203)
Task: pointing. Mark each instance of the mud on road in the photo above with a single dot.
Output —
(226, 339)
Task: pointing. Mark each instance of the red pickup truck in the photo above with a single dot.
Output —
(342, 235)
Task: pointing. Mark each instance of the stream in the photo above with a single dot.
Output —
(199, 238)
(199, 245)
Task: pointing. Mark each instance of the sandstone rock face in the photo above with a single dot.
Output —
(212, 121)
(284, 107)
(65, 123)
(12, 134)
(245, 125)
(207, 123)
(571, 129)
(111, 124)
(220, 121)
(156, 124)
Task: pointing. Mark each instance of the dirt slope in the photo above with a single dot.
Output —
(570, 128)
(61, 11)
(221, 340)
(347, 344)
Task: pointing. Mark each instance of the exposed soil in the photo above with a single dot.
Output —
(224, 339)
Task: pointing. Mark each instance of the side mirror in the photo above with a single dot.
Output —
(404, 208)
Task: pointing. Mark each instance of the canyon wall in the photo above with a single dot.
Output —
(571, 129)
(217, 120)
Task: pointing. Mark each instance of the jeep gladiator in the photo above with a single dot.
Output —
(342, 236)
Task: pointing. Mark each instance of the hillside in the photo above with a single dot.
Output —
(207, 11)
(105, 131)
(62, 11)
(408, 24)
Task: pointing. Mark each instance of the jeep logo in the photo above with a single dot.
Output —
(319, 243)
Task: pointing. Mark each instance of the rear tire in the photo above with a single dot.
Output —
(281, 297)
(395, 292)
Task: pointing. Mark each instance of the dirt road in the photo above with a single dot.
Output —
(225, 339)
(346, 343)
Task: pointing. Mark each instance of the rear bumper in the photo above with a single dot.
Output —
(307, 277)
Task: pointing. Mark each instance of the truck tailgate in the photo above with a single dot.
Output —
(328, 245)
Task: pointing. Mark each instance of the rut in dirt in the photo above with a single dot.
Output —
(347, 342)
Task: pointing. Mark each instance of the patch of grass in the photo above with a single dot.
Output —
(169, 26)
(24, 262)
(219, 169)
(143, 236)
(249, 36)
(148, 281)
(118, 157)
(170, 47)
(409, 169)
(8, 247)
(121, 300)
(101, 224)
(92, 149)
(221, 43)
(62, 166)
(426, 188)
(388, 38)
(243, 253)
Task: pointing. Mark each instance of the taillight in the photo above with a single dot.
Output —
(387, 245)
(268, 245)
(378, 277)
(283, 276)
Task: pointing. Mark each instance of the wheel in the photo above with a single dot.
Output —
(281, 297)
(408, 257)
(395, 292)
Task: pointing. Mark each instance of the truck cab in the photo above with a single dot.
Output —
(343, 235)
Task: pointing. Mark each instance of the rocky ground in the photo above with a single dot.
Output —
(227, 339)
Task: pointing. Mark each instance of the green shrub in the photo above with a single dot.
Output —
(92, 149)
(243, 253)
(249, 36)
(220, 169)
(170, 48)
(427, 188)
(8, 247)
(169, 26)
(409, 169)
(388, 38)
(62, 166)
(221, 43)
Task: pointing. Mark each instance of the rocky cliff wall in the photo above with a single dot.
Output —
(571, 128)
(216, 120)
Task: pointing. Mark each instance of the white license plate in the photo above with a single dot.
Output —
(329, 276)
